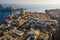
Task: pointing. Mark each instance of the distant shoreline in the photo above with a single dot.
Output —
(35, 8)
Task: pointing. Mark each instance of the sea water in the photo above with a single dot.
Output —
(30, 8)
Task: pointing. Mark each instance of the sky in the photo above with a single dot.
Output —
(29, 1)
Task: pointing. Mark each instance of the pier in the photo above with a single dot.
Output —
(11, 9)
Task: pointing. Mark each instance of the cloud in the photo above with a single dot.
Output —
(29, 1)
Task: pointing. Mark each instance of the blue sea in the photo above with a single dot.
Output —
(30, 8)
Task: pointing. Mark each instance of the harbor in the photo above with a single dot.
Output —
(27, 25)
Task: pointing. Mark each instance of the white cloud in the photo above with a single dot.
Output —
(30, 1)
